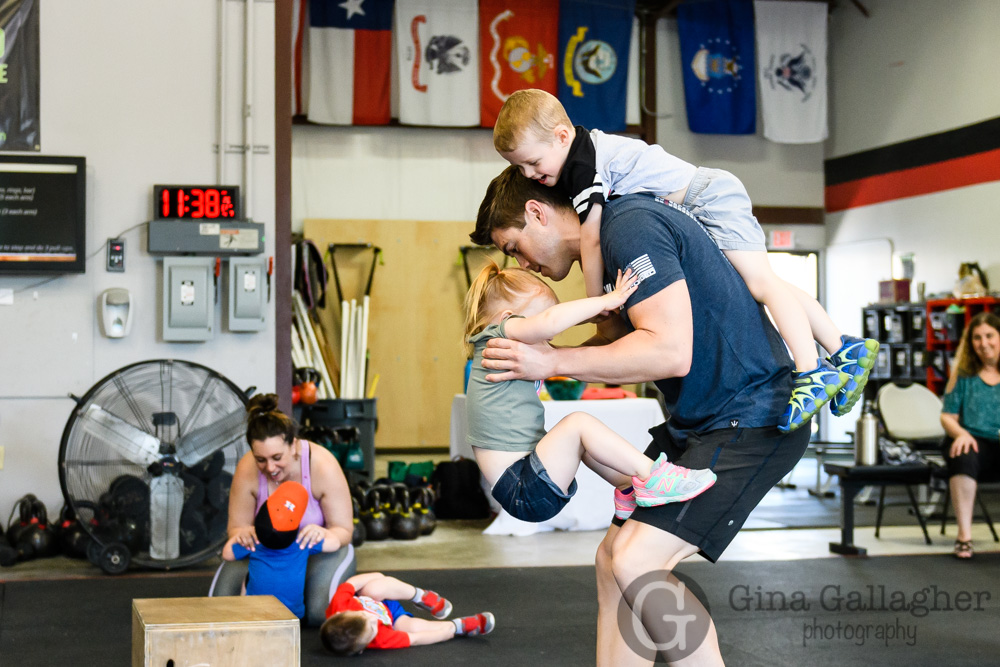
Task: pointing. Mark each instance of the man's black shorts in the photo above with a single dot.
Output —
(748, 463)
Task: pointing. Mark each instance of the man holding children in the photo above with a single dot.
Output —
(694, 329)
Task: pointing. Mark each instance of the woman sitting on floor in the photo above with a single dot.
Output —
(277, 455)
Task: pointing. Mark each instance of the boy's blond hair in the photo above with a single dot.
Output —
(495, 286)
(342, 632)
(528, 111)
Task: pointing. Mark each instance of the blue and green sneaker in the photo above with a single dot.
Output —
(811, 391)
(856, 357)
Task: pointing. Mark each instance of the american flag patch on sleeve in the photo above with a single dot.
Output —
(642, 267)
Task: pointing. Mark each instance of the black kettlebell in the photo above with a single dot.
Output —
(360, 532)
(425, 515)
(376, 521)
(74, 540)
(405, 525)
(25, 507)
(43, 538)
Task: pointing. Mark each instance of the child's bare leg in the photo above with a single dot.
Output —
(423, 632)
(388, 588)
(789, 315)
(823, 329)
(624, 494)
(576, 434)
(609, 475)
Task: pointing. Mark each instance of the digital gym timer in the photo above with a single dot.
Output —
(196, 202)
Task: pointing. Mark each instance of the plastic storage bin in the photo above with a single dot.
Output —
(357, 412)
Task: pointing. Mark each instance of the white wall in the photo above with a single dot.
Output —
(131, 86)
(442, 174)
(908, 71)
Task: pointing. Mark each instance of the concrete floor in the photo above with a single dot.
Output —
(461, 544)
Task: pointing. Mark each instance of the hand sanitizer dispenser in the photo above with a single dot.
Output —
(115, 312)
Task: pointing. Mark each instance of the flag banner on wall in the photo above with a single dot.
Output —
(518, 41)
(437, 46)
(791, 47)
(350, 54)
(717, 58)
(19, 78)
(594, 40)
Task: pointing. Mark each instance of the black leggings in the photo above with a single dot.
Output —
(982, 466)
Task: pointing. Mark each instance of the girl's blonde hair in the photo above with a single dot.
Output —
(494, 290)
(528, 113)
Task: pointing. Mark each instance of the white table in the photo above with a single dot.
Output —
(592, 508)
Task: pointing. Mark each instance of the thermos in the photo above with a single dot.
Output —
(866, 437)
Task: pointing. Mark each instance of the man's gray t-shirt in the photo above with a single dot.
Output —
(507, 416)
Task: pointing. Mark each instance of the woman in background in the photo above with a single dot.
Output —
(971, 418)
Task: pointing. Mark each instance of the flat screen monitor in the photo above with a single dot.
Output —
(42, 214)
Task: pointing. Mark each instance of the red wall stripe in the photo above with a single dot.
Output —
(937, 177)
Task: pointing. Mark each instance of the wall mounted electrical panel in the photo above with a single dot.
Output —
(216, 238)
(188, 298)
(248, 293)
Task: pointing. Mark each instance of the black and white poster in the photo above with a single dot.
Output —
(19, 75)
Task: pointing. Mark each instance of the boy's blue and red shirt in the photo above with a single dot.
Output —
(279, 572)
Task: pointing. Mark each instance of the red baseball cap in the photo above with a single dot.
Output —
(287, 505)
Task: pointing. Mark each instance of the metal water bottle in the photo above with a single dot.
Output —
(866, 437)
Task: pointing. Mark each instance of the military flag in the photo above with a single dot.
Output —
(437, 45)
(518, 40)
(791, 47)
(594, 40)
(717, 58)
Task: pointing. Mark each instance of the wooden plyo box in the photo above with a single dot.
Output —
(241, 631)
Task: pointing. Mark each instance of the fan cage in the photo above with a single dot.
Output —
(199, 397)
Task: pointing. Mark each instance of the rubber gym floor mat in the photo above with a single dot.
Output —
(912, 610)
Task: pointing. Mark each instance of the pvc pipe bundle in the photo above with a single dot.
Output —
(306, 351)
(353, 347)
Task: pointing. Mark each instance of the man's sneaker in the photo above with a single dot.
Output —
(624, 504)
(856, 357)
(810, 392)
(435, 604)
(480, 624)
(669, 483)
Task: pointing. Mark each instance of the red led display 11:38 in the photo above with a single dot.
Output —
(197, 202)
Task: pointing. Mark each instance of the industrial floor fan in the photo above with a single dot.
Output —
(146, 461)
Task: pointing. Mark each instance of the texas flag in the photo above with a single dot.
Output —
(350, 53)
(518, 39)
(437, 50)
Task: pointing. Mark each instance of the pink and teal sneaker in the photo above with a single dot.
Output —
(624, 504)
(669, 483)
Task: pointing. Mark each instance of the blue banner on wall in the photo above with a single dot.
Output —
(717, 57)
(594, 40)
